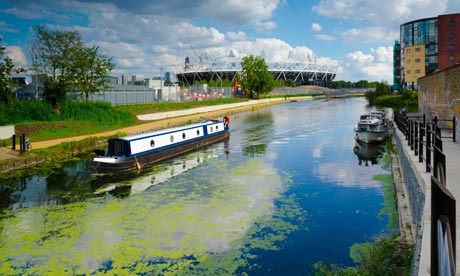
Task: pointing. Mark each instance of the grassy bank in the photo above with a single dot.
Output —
(39, 121)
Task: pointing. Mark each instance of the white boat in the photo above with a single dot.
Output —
(371, 127)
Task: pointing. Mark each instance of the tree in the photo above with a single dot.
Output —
(53, 52)
(54, 92)
(255, 76)
(90, 70)
(6, 82)
(64, 58)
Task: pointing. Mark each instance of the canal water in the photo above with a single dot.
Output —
(289, 189)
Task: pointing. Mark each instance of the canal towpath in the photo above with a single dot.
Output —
(452, 152)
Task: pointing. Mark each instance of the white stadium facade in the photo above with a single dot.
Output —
(301, 72)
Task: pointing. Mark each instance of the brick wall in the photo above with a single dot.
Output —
(439, 95)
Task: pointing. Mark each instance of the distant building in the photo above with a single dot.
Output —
(448, 40)
(168, 76)
(302, 72)
(427, 45)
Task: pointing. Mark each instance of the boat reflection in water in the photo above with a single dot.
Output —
(368, 153)
(132, 183)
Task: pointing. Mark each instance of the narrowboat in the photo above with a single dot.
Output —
(134, 152)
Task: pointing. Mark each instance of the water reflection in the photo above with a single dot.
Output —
(368, 154)
(134, 183)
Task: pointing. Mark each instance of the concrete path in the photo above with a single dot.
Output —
(452, 153)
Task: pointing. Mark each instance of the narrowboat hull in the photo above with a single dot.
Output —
(137, 162)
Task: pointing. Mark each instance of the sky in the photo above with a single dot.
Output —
(147, 38)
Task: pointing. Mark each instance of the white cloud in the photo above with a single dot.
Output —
(372, 34)
(389, 13)
(236, 36)
(375, 66)
(17, 55)
(265, 26)
(325, 37)
(378, 71)
(360, 57)
(316, 27)
(383, 54)
(4, 28)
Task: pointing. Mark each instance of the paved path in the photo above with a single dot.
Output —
(452, 153)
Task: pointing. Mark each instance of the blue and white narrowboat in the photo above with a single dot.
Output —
(136, 151)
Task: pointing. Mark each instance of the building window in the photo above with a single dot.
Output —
(417, 60)
(407, 50)
(452, 23)
(408, 61)
(417, 49)
(408, 72)
(427, 39)
(451, 58)
(451, 47)
(417, 71)
(451, 35)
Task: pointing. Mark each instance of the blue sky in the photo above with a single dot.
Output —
(146, 37)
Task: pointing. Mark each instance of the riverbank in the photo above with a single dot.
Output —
(10, 159)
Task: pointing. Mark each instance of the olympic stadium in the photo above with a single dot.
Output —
(301, 72)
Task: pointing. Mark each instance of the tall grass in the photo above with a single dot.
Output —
(100, 113)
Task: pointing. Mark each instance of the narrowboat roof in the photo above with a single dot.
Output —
(162, 131)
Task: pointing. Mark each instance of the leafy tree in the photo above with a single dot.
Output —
(53, 52)
(90, 70)
(6, 82)
(255, 76)
(63, 57)
(55, 93)
(362, 84)
(381, 89)
(168, 83)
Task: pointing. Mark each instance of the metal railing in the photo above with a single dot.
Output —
(422, 135)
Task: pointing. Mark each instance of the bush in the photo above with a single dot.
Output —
(26, 112)
(101, 113)
(383, 257)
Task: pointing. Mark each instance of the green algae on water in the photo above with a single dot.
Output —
(207, 222)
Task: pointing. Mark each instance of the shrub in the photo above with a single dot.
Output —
(26, 112)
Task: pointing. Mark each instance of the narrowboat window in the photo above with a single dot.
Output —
(171, 138)
(118, 148)
(197, 132)
(217, 128)
(211, 129)
(152, 143)
(183, 135)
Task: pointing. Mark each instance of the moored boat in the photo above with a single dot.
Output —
(371, 127)
(136, 151)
